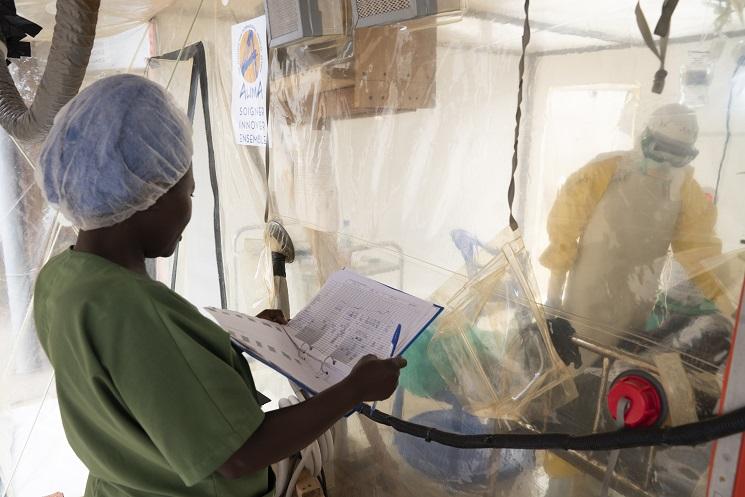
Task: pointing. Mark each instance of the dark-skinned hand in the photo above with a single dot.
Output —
(375, 379)
(273, 315)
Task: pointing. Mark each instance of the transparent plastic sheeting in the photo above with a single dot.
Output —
(492, 347)
(391, 154)
(115, 16)
(31, 435)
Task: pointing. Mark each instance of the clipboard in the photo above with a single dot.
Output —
(350, 317)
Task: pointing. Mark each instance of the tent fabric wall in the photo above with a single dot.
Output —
(392, 193)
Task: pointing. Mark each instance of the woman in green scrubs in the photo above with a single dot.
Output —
(153, 398)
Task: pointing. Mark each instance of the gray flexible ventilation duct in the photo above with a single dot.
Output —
(74, 33)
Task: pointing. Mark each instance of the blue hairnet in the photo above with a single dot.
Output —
(114, 150)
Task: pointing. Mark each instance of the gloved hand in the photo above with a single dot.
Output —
(561, 335)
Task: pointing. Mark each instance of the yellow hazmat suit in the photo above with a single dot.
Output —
(610, 229)
(610, 232)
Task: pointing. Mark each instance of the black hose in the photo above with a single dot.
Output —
(689, 434)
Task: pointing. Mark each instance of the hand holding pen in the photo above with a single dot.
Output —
(376, 379)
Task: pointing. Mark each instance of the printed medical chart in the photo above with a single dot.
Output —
(350, 317)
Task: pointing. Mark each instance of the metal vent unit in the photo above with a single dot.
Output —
(310, 21)
(366, 13)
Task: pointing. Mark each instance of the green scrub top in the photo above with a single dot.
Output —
(153, 397)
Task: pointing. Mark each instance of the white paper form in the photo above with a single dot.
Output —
(350, 317)
(271, 344)
(353, 316)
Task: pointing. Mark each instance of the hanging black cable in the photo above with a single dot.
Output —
(728, 131)
(196, 53)
(201, 62)
(689, 434)
(518, 113)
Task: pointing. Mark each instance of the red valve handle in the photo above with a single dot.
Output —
(647, 406)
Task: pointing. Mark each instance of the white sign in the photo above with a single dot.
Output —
(250, 63)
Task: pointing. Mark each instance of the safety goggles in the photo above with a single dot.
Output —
(662, 149)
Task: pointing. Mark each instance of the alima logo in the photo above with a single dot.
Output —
(250, 60)
(249, 53)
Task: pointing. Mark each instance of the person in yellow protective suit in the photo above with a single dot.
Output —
(611, 228)
(615, 219)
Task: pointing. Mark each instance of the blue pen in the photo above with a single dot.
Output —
(394, 344)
